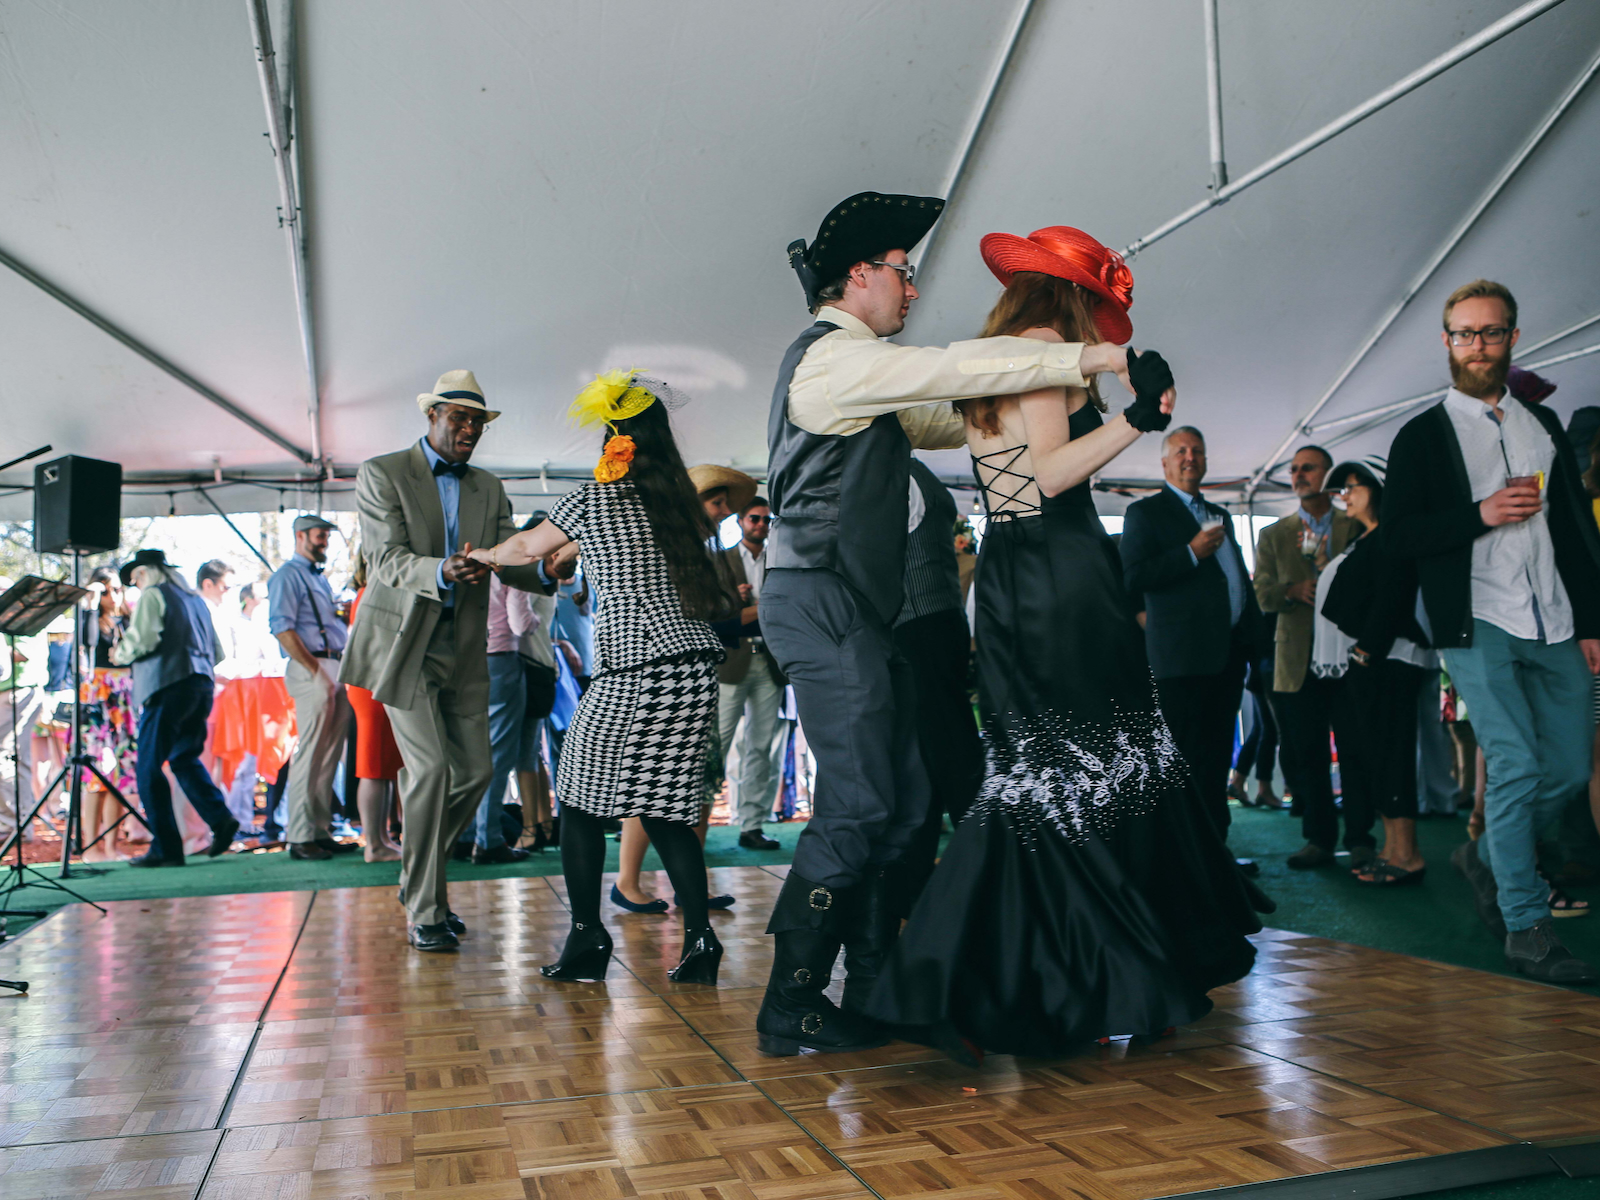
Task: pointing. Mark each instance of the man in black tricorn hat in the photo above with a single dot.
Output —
(846, 412)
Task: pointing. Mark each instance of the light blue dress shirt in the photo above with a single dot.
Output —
(300, 599)
(1321, 526)
(1228, 556)
(450, 500)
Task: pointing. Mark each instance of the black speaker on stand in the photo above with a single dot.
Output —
(77, 510)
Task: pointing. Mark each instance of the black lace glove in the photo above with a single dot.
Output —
(1150, 376)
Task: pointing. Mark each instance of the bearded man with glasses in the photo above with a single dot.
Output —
(1484, 493)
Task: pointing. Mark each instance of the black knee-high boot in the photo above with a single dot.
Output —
(795, 1013)
(679, 847)
(869, 932)
(587, 953)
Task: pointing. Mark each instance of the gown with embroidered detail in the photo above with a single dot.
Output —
(1086, 892)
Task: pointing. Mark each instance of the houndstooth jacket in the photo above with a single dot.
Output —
(641, 618)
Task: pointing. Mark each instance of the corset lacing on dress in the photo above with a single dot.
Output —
(1023, 499)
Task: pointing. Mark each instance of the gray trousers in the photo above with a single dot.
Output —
(858, 706)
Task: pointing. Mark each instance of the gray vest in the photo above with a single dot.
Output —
(839, 502)
(933, 581)
(185, 649)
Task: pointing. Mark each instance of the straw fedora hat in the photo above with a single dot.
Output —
(457, 387)
(741, 488)
(1070, 254)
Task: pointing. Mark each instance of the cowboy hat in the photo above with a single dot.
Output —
(457, 387)
(867, 223)
(708, 478)
(1073, 255)
(142, 558)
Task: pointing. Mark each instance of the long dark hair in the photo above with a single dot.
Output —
(1034, 300)
(677, 519)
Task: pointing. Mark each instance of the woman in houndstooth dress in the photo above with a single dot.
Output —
(637, 743)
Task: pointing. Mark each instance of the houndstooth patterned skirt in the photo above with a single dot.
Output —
(637, 744)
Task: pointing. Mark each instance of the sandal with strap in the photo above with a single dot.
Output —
(1563, 905)
(1386, 874)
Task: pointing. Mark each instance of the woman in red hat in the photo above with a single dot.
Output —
(1086, 893)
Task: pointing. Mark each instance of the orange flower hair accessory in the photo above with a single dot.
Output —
(613, 464)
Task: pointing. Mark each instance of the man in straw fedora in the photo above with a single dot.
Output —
(420, 640)
(846, 412)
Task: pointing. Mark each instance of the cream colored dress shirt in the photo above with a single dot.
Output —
(849, 377)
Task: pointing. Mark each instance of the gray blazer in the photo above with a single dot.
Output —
(402, 535)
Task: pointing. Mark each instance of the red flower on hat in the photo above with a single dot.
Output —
(1118, 279)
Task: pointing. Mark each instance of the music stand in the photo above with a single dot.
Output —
(25, 610)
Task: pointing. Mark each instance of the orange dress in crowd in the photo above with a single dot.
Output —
(377, 753)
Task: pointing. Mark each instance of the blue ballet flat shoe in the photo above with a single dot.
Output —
(713, 902)
(621, 901)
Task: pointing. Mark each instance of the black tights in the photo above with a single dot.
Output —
(583, 861)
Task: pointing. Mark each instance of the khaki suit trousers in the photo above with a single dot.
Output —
(323, 720)
(444, 741)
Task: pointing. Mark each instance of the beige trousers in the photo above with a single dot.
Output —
(444, 741)
(323, 722)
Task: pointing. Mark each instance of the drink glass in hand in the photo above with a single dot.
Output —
(1309, 541)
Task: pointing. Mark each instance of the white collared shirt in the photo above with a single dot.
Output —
(849, 377)
(755, 568)
(1515, 584)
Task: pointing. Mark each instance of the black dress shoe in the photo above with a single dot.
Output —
(308, 852)
(455, 924)
(461, 852)
(153, 859)
(498, 854)
(333, 847)
(433, 937)
(702, 954)
(222, 839)
(1248, 865)
(754, 839)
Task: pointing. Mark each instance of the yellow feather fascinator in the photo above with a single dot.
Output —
(609, 397)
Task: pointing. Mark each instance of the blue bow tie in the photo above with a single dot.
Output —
(459, 470)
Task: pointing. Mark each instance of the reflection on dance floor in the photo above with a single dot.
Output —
(291, 1044)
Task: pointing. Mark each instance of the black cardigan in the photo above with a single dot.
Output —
(1429, 517)
(1373, 598)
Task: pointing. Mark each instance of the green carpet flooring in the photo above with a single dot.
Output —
(1434, 920)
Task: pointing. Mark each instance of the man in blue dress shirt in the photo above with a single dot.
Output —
(1183, 567)
(300, 615)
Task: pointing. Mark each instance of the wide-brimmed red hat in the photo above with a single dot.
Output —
(1071, 254)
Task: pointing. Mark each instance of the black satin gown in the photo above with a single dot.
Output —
(1086, 892)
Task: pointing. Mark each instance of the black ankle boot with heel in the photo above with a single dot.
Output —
(702, 955)
(585, 957)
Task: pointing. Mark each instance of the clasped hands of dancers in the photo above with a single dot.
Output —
(1085, 893)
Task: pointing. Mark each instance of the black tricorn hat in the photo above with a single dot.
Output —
(142, 558)
(867, 223)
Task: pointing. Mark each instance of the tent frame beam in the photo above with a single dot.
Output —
(1219, 164)
(1401, 405)
(1485, 37)
(291, 216)
(1435, 261)
(156, 360)
(975, 128)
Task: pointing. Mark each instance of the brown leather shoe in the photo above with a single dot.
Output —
(1310, 855)
(308, 852)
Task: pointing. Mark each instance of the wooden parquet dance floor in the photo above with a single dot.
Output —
(291, 1045)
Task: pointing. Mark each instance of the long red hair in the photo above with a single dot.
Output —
(1036, 301)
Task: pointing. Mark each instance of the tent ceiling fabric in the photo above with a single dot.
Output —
(541, 191)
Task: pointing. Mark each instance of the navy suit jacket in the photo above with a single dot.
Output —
(1188, 627)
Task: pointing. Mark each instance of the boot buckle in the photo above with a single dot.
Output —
(824, 903)
(802, 976)
(811, 1024)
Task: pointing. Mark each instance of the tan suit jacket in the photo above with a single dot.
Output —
(730, 572)
(402, 535)
(1279, 564)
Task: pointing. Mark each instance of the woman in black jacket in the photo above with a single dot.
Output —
(1367, 608)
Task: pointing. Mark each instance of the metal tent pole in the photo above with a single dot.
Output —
(290, 215)
(1461, 230)
(1511, 21)
(1219, 165)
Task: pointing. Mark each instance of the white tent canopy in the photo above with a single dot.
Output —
(540, 190)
